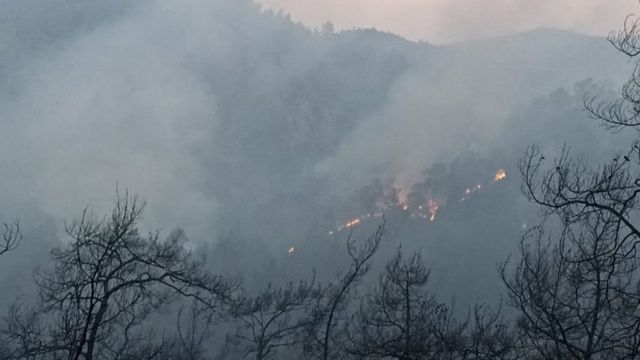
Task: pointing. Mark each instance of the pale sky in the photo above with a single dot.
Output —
(442, 21)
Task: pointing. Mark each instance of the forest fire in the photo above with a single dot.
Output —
(429, 209)
(352, 223)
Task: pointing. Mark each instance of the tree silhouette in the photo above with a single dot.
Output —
(325, 312)
(104, 283)
(275, 318)
(400, 320)
(575, 300)
(11, 237)
(577, 292)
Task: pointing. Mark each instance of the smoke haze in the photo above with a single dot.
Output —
(235, 122)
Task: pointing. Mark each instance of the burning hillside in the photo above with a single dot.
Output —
(427, 207)
(422, 202)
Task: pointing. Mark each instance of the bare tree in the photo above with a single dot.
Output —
(577, 297)
(488, 336)
(11, 237)
(106, 280)
(274, 318)
(571, 187)
(578, 292)
(625, 111)
(193, 332)
(400, 320)
(324, 313)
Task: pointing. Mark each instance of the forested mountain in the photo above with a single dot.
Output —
(263, 139)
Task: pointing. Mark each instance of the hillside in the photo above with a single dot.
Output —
(233, 121)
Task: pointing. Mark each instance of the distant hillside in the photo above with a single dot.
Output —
(240, 124)
(244, 109)
(538, 61)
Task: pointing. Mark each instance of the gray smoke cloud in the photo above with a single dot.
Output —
(121, 104)
(223, 117)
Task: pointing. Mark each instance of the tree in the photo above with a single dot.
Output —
(193, 331)
(328, 28)
(487, 336)
(571, 188)
(324, 313)
(577, 294)
(400, 320)
(274, 318)
(104, 283)
(574, 300)
(11, 237)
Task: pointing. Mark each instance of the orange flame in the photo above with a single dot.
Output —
(500, 175)
(352, 223)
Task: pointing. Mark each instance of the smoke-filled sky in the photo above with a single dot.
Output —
(217, 112)
(239, 125)
(442, 21)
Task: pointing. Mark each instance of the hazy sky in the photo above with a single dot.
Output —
(441, 21)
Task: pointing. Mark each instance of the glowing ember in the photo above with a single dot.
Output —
(291, 250)
(352, 223)
(433, 209)
(428, 210)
